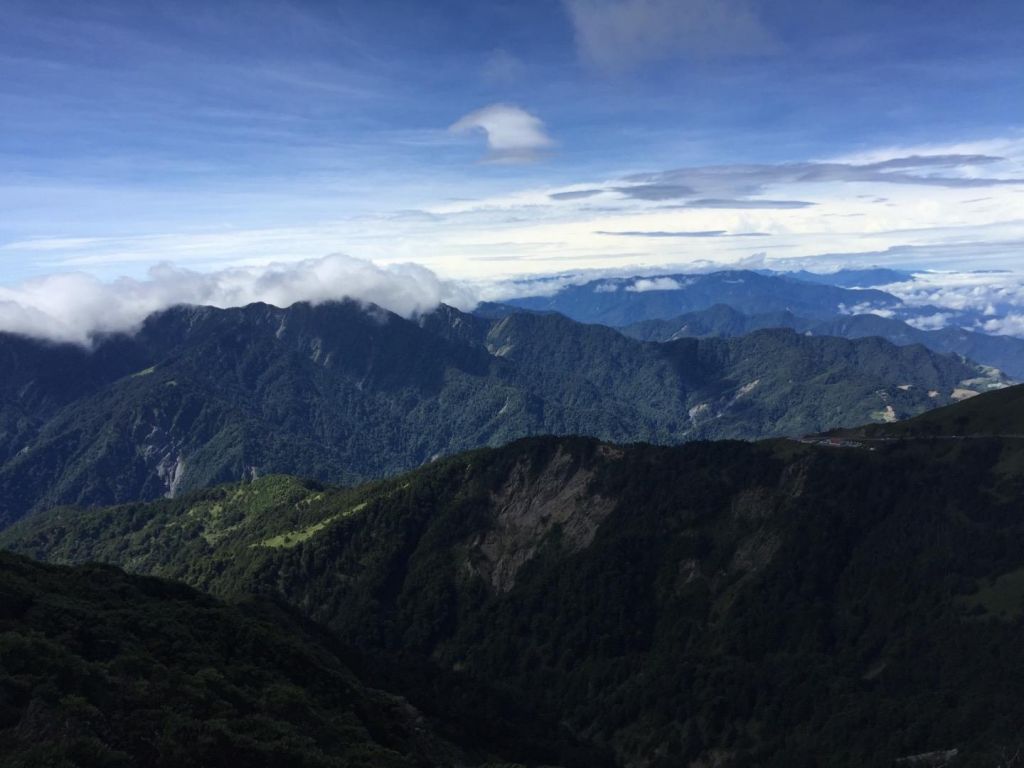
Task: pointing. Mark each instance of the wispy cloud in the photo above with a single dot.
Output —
(615, 35)
(694, 233)
(638, 233)
(747, 180)
(513, 134)
(656, 191)
(755, 204)
(502, 68)
(574, 194)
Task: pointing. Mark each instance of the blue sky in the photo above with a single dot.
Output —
(483, 139)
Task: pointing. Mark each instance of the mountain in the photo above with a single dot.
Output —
(719, 321)
(100, 668)
(870, 277)
(1003, 352)
(624, 301)
(734, 604)
(39, 378)
(343, 393)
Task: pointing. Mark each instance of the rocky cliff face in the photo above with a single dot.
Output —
(532, 506)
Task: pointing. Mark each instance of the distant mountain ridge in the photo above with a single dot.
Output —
(867, 277)
(342, 393)
(820, 302)
(1003, 352)
(622, 301)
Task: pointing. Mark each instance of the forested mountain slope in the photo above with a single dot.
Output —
(99, 668)
(1003, 352)
(341, 393)
(769, 604)
(996, 414)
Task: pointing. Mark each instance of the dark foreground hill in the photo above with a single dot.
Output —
(99, 668)
(730, 604)
(344, 393)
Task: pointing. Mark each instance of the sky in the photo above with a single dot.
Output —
(483, 140)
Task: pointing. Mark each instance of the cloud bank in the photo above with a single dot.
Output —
(513, 134)
(724, 182)
(78, 307)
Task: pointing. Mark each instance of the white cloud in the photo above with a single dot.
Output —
(513, 134)
(986, 292)
(76, 307)
(621, 34)
(866, 308)
(1011, 325)
(930, 322)
(655, 284)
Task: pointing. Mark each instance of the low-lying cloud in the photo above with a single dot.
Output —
(655, 284)
(1011, 325)
(932, 322)
(78, 307)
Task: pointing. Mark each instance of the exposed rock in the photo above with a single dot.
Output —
(755, 552)
(528, 509)
(936, 759)
(753, 504)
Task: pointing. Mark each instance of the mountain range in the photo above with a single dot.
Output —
(619, 301)
(1003, 352)
(342, 392)
(849, 277)
(851, 601)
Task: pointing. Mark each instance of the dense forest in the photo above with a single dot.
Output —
(343, 393)
(778, 603)
(1003, 352)
(99, 668)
